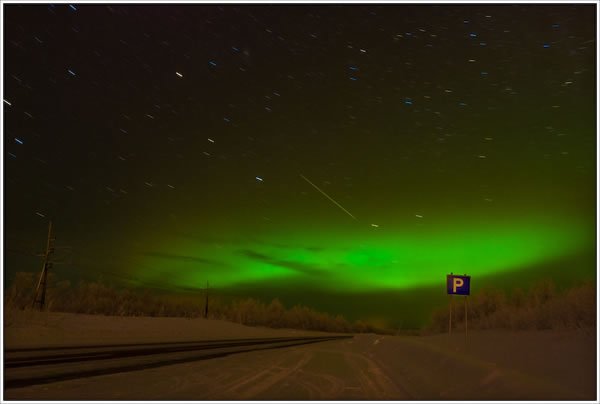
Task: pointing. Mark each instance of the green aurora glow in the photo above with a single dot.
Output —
(366, 259)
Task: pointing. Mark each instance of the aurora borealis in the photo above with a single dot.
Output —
(171, 145)
(362, 261)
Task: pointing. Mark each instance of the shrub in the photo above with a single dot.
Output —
(541, 308)
(101, 298)
(20, 293)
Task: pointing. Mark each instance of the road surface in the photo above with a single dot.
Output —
(366, 367)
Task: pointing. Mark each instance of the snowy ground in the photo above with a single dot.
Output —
(32, 328)
(490, 365)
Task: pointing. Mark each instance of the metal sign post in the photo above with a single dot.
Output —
(450, 317)
(458, 285)
(466, 317)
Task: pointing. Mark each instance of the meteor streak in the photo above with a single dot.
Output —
(328, 197)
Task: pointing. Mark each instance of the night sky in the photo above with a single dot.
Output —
(346, 157)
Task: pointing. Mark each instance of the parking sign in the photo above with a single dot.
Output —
(458, 284)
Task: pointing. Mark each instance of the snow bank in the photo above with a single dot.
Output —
(35, 329)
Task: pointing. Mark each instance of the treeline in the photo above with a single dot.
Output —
(101, 298)
(541, 307)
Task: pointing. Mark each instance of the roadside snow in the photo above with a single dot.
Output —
(34, 329)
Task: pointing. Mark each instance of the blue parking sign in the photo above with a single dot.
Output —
(458, 284)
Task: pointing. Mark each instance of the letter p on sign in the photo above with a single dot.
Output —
(458, 284)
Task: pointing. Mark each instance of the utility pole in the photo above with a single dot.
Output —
(206, 302)
(39, 297)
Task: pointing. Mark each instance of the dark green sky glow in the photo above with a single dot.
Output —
(168, 145)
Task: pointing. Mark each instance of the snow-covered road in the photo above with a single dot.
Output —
(490, 365)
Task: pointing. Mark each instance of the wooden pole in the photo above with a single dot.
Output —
(206, 302)
(40, 291)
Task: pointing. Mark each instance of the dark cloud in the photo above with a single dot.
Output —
(233, 241)
(294, 266)
(182, 258)
(257, 256)
(302, 268)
